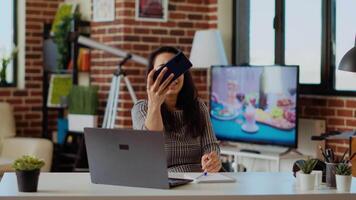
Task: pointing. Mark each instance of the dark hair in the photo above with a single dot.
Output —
(187, 101)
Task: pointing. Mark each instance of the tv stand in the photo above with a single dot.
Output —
(240, 154)
(291, 150)
(250, 151)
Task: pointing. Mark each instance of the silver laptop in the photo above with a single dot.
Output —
(128, 158)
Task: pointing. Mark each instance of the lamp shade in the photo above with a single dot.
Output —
(348, 61)
(207, 49)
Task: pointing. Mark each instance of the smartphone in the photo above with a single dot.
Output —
(178, 65)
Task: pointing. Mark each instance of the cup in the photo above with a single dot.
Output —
(330, 174)
(318, 177)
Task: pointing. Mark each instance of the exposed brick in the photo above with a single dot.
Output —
(351, 122)
(351, 103)
(336, 103)
(336, 121)
(344, 113)
(327, 112)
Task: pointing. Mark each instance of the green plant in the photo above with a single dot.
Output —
(27, 163)
(61, 27)
(307, 166)
(343, 169)
(5, 62)
(83, 100)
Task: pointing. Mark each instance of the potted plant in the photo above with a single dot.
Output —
(307, 179)
(5, 61)
(27, 172)
(343, 177)
(82, 104)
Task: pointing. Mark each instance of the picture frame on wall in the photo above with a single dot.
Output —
(103, 10)
(151, 10)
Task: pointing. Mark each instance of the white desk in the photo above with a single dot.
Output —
(249, 186)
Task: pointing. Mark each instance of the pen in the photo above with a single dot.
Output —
(201, 175)
(343, 156)
(322, 152)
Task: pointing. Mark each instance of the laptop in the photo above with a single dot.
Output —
(128, 158)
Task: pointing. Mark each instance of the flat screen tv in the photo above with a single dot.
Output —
(255, 104)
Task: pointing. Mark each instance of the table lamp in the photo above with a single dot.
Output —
(207, 49)
(348, 61)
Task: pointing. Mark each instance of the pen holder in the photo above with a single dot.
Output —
(330, 174)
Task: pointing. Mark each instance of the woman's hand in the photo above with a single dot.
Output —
(157, 92)
(210, 162)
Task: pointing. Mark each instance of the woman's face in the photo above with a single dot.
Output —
(162, 59)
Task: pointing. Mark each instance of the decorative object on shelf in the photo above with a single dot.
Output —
(151, 10)
(83, 104)
(62, 126)
(27, 172)
(84, 60)
(103, 10)
(60, 29)
(307, 179)
(59, 88)
(5, 61)
(343, 177)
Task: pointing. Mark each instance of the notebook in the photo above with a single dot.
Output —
(209, 178)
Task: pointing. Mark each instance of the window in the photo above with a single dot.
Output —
(303, 38)
(312, 34)
(8, 37)
(261, 32)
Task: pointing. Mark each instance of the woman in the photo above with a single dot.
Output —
(175, 109)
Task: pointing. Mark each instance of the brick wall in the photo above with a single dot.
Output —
(339, 113)
(27, 103)
(142, 37)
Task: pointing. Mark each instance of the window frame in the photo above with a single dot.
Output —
(15, 40)
(240, 48)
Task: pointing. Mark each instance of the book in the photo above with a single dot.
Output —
(209, 178)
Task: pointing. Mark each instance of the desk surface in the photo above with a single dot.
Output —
(253, 185)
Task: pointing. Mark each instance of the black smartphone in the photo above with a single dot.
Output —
(178, 65)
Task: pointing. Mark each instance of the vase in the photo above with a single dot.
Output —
(306, 181)
(27, 181)
(343, 183)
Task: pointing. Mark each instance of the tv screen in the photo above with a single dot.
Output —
(255, 104)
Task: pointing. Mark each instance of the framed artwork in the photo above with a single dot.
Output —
(151, 10)
(59, 88)
(103, 10)
(64, 10)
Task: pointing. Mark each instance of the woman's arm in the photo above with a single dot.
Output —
(210, 148)
(156, 93)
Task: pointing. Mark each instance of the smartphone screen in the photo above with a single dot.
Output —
(178, 65)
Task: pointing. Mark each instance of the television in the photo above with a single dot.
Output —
(255, 104)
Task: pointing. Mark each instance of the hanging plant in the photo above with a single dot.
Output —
(62, 26)
(60, 38)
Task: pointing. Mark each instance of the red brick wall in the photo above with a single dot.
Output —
(27, 103)
(339, 113)
(140, 37)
